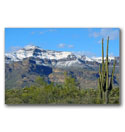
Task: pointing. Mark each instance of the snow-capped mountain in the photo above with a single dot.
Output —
(34, 51)
(50, 57)
(25, 65)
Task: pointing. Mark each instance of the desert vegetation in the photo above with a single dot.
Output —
(67, 93)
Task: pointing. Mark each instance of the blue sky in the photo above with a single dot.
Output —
(78, 40)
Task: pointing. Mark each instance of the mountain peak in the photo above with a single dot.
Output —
(31, 47)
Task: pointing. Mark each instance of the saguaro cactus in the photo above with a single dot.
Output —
(103, 81)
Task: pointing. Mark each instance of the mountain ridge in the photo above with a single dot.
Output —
(22, 67)
(56, 58)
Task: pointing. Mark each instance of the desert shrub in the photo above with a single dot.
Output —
(67, 93)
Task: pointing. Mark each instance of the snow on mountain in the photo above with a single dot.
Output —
(21, 54)
(33, 51)
(68, 63)
(99, 59)
(54, 55)
(88, 59)
(29, 47)
(57, 58)
(36, 52)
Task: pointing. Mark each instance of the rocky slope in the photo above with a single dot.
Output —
(23, 66)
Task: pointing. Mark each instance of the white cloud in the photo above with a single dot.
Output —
(62, 45)
(113, 34)
(105, 32)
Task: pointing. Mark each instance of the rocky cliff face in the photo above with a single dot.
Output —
(24, 73)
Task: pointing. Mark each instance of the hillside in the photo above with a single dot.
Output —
(25, 65)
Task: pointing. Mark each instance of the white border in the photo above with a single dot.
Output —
(57, 13)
